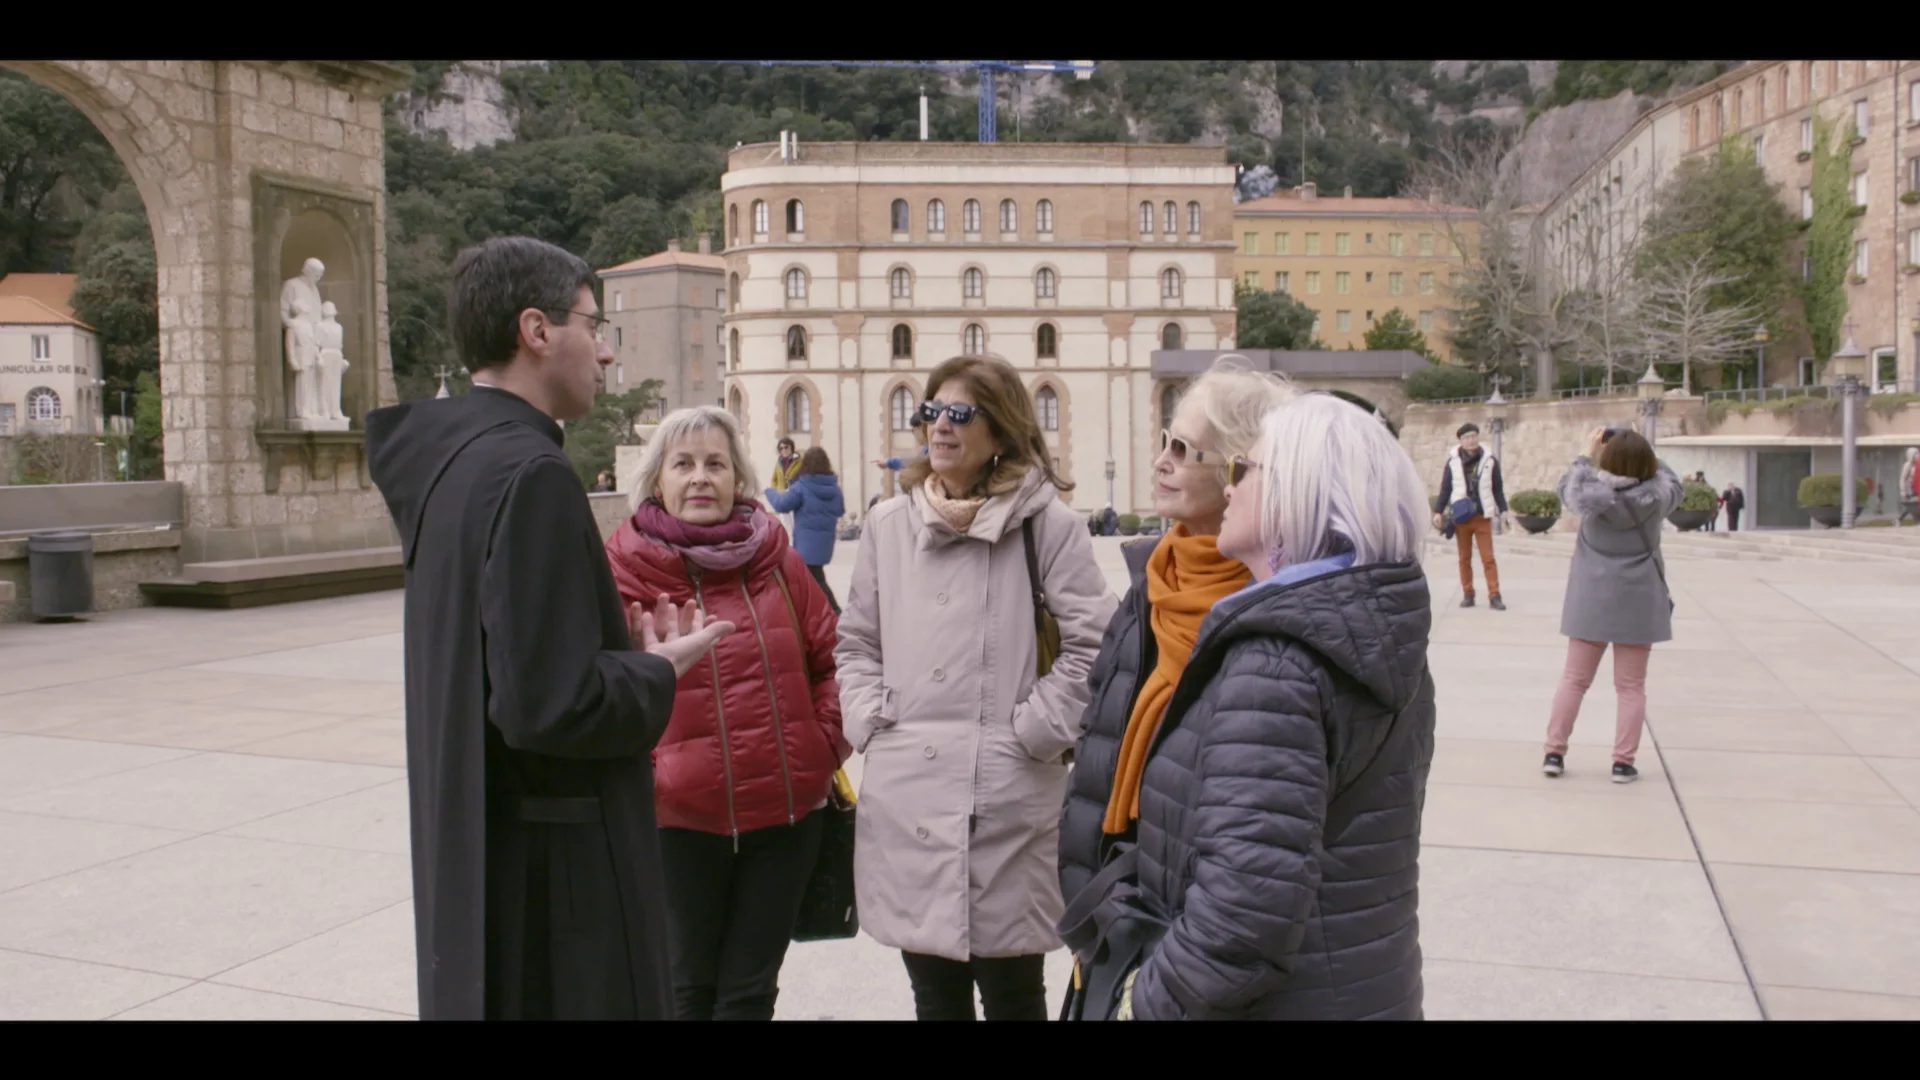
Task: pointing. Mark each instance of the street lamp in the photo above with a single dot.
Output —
(1760, 361)
(1649, 388)
(1110, 475)
(100, 447)
(1496, 426)
(1846, 367)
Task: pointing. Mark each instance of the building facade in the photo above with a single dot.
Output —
(854, 269)
(49, 359)
(663, 321)
(1771, 104)
(1351, 260)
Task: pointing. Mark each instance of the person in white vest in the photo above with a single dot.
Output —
(1470, 485)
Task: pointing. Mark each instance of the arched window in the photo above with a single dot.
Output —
(1046, 405)
(1193, 218)
(899, 215)
(1170, 284)
(796, 216)
(733, 225)
(1169, 401)
(796, 284)
(1171, 337)
(970, 215)
(903, 342)
(973, 341)
(901, 283)
(1043, 283)
(1696, 125)
(973, 283)
(733, 349)
(737, 405)
(733, 291)
(1009, 216)
(1046, 342)
(937, 216)
(1043, 215)
(1146, 219)
(759, 217)
(43, 404)
(799, 412)
(796, 343)
(900, 409)
(1172, 219)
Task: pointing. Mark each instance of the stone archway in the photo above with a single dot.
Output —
(231, 158)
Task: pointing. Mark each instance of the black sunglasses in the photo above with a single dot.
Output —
(1238, 468)
(1183, 451)
(960, 413)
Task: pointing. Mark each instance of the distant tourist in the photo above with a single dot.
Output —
(784, 470)
(1735, 501)
(603, 483)
(1276, 874)
(1910, 485)
(1616, 588)
(817, 505)
(755, 737)
(1471, 486)
(530, 713)
(946, 687)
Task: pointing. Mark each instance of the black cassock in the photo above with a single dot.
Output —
(530, 724)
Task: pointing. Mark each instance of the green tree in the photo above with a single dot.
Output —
(145, 459)
(1829, 237)
(592, 438)
(1395, 330)
(1444, 382)
(1272, 320)
(115, 288)
(53, 162)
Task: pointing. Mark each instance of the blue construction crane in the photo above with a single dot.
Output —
(988, 70)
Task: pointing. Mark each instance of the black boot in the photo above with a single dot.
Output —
(1467, 600)
(1495, 603)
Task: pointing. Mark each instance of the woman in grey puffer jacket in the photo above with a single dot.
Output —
(1616, 588)
(1276, 870)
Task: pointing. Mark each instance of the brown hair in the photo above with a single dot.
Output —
(1628, 454)
(1019, 446)
(815, 463)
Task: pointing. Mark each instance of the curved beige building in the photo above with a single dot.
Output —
(853, 269)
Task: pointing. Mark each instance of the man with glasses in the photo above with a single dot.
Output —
(533, 699)
(1471, 492)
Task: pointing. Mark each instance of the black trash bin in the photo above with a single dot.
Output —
(60, 574)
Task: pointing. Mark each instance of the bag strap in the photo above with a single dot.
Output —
(1033, 574)
(799, 629)
(1640, 530)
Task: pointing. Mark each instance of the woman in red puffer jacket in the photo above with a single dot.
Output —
(755, 736)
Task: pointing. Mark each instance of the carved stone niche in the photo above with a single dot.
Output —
(296, 219)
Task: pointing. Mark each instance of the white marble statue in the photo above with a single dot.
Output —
(330, 337)
(300, 313)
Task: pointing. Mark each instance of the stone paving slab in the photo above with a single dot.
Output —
(203, 816)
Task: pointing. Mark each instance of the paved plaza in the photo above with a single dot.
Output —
(203, 814)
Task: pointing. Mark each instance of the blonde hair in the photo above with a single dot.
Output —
(1334, 478)
(678, 425)
(1231, 399)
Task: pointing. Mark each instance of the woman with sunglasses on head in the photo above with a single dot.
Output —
(1276, 868)
(938, 665)
(1176, 580)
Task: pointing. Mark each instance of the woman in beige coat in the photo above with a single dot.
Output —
(964, 774)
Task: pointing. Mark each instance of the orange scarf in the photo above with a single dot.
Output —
(1186, 576)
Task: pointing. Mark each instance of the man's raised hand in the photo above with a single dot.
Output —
(679, 635)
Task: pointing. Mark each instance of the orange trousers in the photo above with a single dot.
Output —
(1477, 529)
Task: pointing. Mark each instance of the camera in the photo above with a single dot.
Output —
(1607, 435)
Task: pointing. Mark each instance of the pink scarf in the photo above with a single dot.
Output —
(729, 545)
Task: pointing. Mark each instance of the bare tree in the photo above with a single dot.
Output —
(1683, 323)
(1597, 261)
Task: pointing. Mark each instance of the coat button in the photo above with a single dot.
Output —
(928, 752)
(921, 832)
(942, 598)
(939, 675)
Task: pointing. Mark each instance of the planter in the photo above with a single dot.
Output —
(1690, 520)
(1804, 155)
(1824, 515)
(1856, 279)
(1911, 198)
(1129, 530)
(1856, 210)
(1536, 523)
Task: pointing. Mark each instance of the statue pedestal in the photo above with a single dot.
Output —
(318, 425)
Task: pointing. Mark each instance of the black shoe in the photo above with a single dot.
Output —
(1555, 765)
(1496, 604)
(1624, 774)
(1467, 601)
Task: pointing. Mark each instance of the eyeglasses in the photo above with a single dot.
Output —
(1238, 468)
(959, 412)
(1185, 452)
(598, 322)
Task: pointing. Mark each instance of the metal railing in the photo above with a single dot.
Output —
(1620, 389)
(1817, 391)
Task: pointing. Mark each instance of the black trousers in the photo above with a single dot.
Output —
(1011, 988)
(1733, 521)
(820, 575)
(730, 915)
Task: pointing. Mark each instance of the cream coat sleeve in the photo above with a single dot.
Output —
(1048, 722)
(857, 660)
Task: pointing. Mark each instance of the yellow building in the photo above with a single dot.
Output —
(1350, 260)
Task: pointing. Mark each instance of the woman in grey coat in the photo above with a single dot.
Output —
(1617, 587)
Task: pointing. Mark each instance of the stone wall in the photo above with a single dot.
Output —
(121, 561)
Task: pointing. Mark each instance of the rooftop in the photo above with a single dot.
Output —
(53, 290)
(27, 311)
(673, 256)
(753, 155)
(1293, 204)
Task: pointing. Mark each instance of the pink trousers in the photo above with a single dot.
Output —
(1629, 688)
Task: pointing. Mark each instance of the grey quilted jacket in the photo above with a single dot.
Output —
(1286, 861)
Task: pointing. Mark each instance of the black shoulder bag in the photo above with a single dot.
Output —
(1046, 628)
(827, 909)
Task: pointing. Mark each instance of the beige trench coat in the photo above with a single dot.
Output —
(957, 834)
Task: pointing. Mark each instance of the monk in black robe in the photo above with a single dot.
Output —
(531, 715)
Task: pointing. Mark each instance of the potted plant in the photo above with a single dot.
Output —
(1150, 525)
(1698, 505)
(1911, 198)
(1129, 524)
(1536, 510)
(1820, 497)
